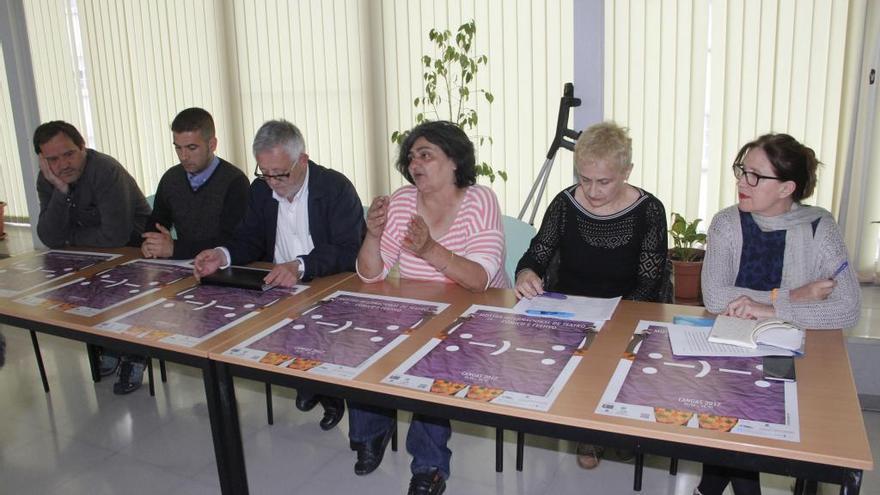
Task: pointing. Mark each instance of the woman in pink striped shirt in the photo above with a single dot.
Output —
(442, 227)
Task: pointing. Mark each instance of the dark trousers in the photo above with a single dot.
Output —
(425, 441)
(716, 478)
(126, 357)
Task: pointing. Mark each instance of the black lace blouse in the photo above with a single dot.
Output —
(622, 254)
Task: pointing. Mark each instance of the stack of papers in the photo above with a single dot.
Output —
(692, 341)
(556, 305)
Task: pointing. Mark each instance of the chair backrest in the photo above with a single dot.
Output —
(152, 198)
(517, 236)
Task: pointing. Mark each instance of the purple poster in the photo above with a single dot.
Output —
(195, 314)
(494, 354)
(339, 336)
(718, 393)
(20, 275)
(110, 288)
(720, 386)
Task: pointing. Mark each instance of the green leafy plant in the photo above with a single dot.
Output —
(684, 238)
(450, 83)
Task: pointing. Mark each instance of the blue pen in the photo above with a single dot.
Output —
(554, 295)
(539, 312)
(840, 269)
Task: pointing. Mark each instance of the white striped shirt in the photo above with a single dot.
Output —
(476, 234)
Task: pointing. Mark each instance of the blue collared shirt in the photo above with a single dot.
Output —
(196, 180)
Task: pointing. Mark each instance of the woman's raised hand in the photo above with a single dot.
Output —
(377, 215)
(418, 236)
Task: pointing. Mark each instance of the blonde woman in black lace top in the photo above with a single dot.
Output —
(610, 236)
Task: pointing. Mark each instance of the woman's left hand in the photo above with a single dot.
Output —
(746, 307)
(418, 236)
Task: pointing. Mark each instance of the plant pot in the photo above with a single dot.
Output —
(686, 280)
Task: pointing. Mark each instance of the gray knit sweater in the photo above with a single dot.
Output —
(720, 268)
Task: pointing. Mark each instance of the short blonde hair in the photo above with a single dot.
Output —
(605, 141)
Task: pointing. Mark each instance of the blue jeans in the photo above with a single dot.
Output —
(425, 441)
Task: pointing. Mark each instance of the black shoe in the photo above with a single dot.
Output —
(431, 483)
(334, 409)
(369, 454)
(131, 375)
(305, 402)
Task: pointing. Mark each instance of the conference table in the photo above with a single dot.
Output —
(82, 328)
(833, 445)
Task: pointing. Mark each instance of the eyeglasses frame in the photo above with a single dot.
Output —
(739, 171)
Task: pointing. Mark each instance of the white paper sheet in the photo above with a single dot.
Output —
(693, 341)
(570, 307)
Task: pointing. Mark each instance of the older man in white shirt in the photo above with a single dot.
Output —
(304, 218)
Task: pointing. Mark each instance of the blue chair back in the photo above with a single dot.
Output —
(517, 236)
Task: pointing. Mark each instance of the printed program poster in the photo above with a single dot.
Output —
(110, 288)
(500, 356)
(30, 272)
(340, 336)
(196, 314)
(717, 393)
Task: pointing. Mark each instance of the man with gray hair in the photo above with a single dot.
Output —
(306, 219)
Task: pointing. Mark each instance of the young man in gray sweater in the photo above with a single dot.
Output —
(203, 197)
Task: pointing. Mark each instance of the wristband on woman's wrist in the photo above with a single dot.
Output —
(773, 295)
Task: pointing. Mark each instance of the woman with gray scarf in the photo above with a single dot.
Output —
(771, 256)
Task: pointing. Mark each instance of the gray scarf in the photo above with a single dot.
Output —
(800, 264)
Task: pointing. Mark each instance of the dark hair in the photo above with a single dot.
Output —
(454, 143)
(791, 160)
(45, 132)
(194, 119)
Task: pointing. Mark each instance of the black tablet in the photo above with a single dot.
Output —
(239, 276)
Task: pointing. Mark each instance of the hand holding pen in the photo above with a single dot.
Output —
(818, 290)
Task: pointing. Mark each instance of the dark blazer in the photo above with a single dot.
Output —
(336, 224)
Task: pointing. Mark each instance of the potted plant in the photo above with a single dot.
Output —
(450, 82)
(687, 259)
